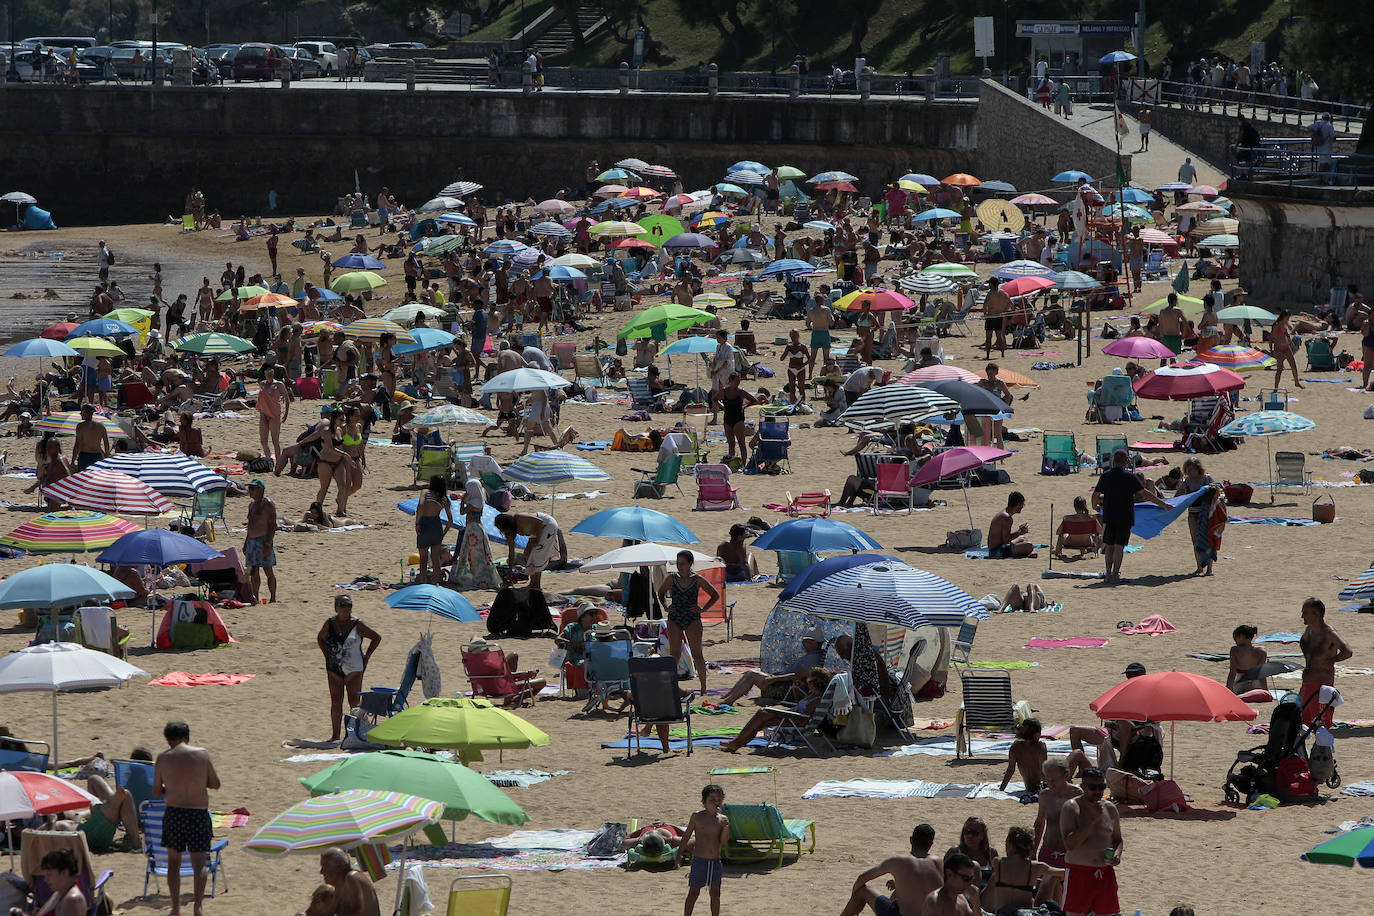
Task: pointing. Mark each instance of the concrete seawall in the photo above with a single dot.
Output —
(104, 154)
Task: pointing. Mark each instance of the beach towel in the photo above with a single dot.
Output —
(678, 743)
(1047, 609)
(979, 747)
(1070, 574)
(1341, 671)
(862, 787)
(1256, 520)
(522, 779)
(1362, 789)
(1279, 637)
(523, 850)
(1152, 446)
(981, 553)
(186, 679)
(1008, 665)
(593, 446)
(224, 820)
(309, 743)
(1208, 656)
(316, 758)
(1151, 520)
(1154, 625)
(1075, 642)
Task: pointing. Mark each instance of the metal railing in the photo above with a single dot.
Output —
(1293, 161)
(1259, 105)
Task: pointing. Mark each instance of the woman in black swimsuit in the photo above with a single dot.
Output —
(684, 614)
(332, 463)
(733, 399)
(1018, 880)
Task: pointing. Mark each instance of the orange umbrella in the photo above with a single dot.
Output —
(1016, 379)
(265, 300)
(963, 179)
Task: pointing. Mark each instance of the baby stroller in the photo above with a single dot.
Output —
(1282, 767)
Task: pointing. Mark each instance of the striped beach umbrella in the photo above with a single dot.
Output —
(553, 207)
(408, 312)
(551, 468)
(610, 190)
(70, 531)
(951, 271)
(939, 374)
(573, 259)
(658, 171)
(892, 403)
(1021, 268)
(926, 284)
(170, 475)
(708, 219)
(617, 175)
(436, 245)
(886, 592)
(64, 423)
(1362, 586)
(1075, 280)
(449, 415)
(277, 298)
(617, 228)
(1238, 359)
(505, 248)
(460, 189)
(641, 193)
(210, 343)
(374, 328)
(1217, 226)
(442, 202)
(1224, 240)
(108, 491)
(344, 819)
(359, 281)
(552, 230)
(827, 177)
(457, 219)
(1151, 236)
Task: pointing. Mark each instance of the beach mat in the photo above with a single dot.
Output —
(1047, 609)
(650, 742)
(862, 787)
(1153, 446)
(979, 747)
(1257, 520)
(1073, 642)
(981, 553)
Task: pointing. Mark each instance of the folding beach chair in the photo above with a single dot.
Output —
(814, 504)
(1154, 266)
(383, 702)
(720, 611)
(432, 460)
(99, 630)
(797, 727)
(462, 456)
(477, 896)
(205, 506)
(774, 441)
(563, 353)
(607, 670)
(757, 831)
(32, 761)
(1113, 398)
(654, 484)
(792, 563)
(1273, 398)
(150, 822)
(1206, 417)
(587, 370)
(1059, 445)
(986, 706)
(137, 777)
(640, 395)
(963, 641)
(655, 698)
(1106, 448)
(35, 844)
(491, 676)
(1290, 472)
(893, 483)
(713, 488)
(1320, 358)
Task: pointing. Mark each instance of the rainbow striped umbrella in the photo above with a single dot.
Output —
(72, 531)
(64, 423)
(1237, 359)
(108, 491)
(345, 819)
(374, 328)
(1362, 586)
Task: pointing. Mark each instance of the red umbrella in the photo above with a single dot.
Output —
(1138, 348)
(838, 186)
(632, 243)
(60, 331)
(956, 461)
(108, 491)
(879, 300)
(1024, 286)
(1172, 696)
(1185, 381)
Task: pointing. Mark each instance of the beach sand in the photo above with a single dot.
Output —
(1216, 858)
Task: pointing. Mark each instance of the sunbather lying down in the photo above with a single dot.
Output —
(1348, 452)
(654, 838)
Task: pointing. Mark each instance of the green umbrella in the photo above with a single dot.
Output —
(467, 726)
(950, 270)
(1246, 313)
(358, 281)
(671, 316)
(213, 344)
(661, 228)
(1349, 848)
(461, 790)
(1189, 306)
(129, 315)
(243, 292)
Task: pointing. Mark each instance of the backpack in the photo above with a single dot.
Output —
(1144, 752)
(519, 613)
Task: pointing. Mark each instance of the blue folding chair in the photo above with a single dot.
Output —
(607, 670)
(773, 444)
(150, 821)
(137, 777)
(25, 759)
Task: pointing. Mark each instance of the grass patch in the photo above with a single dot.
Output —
(508, 23)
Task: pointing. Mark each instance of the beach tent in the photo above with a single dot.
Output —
(34, 218)
(191, 625)
(782, 633)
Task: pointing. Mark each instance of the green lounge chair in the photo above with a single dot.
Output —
(757, 831)
(1106, 448)
(1319, 355)
(1060, 446)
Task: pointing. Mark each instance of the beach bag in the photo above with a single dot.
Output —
(964, 537)
(860, 728)
(1054, 467)
(608, 842)
(1324, 512)
(1238, 494)
(1164, 795)
(1295, 779)
(1321, 762)
(1144, 752)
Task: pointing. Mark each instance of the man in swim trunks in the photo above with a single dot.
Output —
(1057, 791)
(259, 550)
(996, 304)
(1091, 828)
(1321, 648)
(92, 442)
(1005, 542)
(274, 406)
(1171, 325)
(182, 777)
(914, 877)
(819, 319)
(100, 826)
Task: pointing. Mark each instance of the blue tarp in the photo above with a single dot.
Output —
(34, 218)
(1151, 520)
(408, 506)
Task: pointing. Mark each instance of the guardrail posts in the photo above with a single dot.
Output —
(284, 69)
(712, 80)
(410, 75)
(624, 78)
(4, 69)
(930, 84)
(793, 82)
(526, 78)
(865, 84)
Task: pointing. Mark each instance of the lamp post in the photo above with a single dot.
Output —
(773, 50)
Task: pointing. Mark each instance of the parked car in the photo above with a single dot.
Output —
(257, 61)
(67, 42)
(325, 52)
(303, 64)
(222, 57)
(28, 65)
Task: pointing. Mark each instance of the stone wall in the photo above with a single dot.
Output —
(1210, 134)
(1020, 142)
(104, 154)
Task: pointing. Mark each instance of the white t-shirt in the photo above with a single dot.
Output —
(1042, 69)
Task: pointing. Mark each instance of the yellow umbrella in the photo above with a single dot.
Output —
(1001, 216)
(97, 345)
(907, 185)
(374, 328)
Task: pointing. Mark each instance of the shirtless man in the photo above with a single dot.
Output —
(92, 442)
(259, 551)
(996, 305)
(274, 406)
(819, 319)
(1005, 542)
(543, 297)
(354, 894)
(1321, 648)
(1135, 251)
(961, 876)
(1058, 790)
(914, 878)
(706, 835)
(1027, 755)
(1171, 324)
(1091, 829)
(182, 777)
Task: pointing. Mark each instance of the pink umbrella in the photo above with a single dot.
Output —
(610, 190)
(554, 206)
(658, 171)
(1205, 190)
(942, 374)
(1185, 381)
(1034, 200)
(956, 461)
(1138, 348)
(1155, 237)
(578, 221)
(1025, 286)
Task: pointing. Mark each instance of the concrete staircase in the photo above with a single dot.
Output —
(559, 36)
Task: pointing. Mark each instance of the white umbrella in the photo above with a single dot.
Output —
(440, 204)
(19, 197)
(646, 554)
(52, 667)
(515, 381)
(403, 313)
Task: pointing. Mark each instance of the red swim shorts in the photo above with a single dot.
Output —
(1090, 889)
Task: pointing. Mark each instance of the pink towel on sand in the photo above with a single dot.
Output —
(186, 679)
(1077, 642)
(1154, 625)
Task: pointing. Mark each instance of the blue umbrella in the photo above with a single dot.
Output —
(436, 600)
(788, 266)
(827, 567)
(1116, 57)
(1074, 279)
(636, 523)
(60, 585)
(749, 165)
(936, 213)
(505, 247)
(359, 262)
(693, 344)
(552, 467)
(690, 240)
(815, 535)
(921, 178)
(102, 327)
(559, 272)
(170, 475)
(1071, 176)
(157, 547)
(40, 346)
(425, 339)
(1005, 187)
(1136, 196)
(459, 219)
(326, 295)
(615, 203)
(971, 398)
(827, 177)
(889, 593)
(555, 230)
(489, 514)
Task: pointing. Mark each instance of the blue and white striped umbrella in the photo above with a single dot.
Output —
(1022, 268)
(449, 415)
(505, 247)
(551, 229)
(887, 592)
(170, 475)
(551, 468)
(743, 178)
(458, 219)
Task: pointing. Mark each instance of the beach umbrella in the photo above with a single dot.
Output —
(616, 228)
(1000, 187)
(457, 219)
(1013, 379)
(1199, 206)
(669, 316)
(951, 271)
(1137, 348)
(915, 186)
(971, 398)
(1237, 359)
(344, 819)
(442, 202)
(359, 281)
(1136, 196)
(1116, 57)
(1354, 847)
(750, 165)
(633, 243)
(636, 523)
(40, 347)
(97, 346)
(1132, 212)
(661, 227)
(461, 189)
(242, 293)
(647, 554)
(1204, 190)
(734, 179)
(845, 186)
(1021, 268)
(641, 193)
(1247, 313)
(787, 266)
(64, 423)
(936, 213)
(60, 585)
(68, 531)
(169, 474)
(939, 374)
(1362, 586)
(1217, 226)
(157, 547)
(921, 178)
(408, 312)
(879, 300)
(708, 219)
(211, 343)
(1001, 216)
(1075, 280)
(103, 327)
(694, 344)
(435, 246)
(265, 300)
(1190, 306)
(658, 171)
(961, 180)
(893, 403)
(610, 190)
(815, 535)
(462, 791)
(552, 467)
(826, 177)
(828, 567)
(1225, 240)
(504, 248)
(449, 416)
(59, 666)
(552, 230)
(632, 163)
(19, 197)
(24, 795)
(719, 300)
(1152, 236)
(516, 381)
(554, 207)
(926, 284)
(691, 240)
(436, 600)
(1026, 286)
(574, 259)
(820, 224)
(321, 295)
(108, 491)
(1070, 176)
(678, 201)
(617, 175)
(1174, 186)
(1265, 424)
(425, 339)
(886, 592)
(468, 726)
(956, 461)
(373, 329)
(1172, 696)
(1185, 381)
(356, 261)
(58, 331)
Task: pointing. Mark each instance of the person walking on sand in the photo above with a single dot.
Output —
(819, 320)
(259, 550)
(345, 659)
(274, 407)
(707, 833)
(1322, 648)
(1092, 835)
(996, 304)
(1114, 499)
(182, 777)
(914, 877)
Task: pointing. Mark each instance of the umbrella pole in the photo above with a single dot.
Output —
(964, 487)
(55, 756)
(400, 879)
(1171, 750)
(1269, 451)
(1051, 535)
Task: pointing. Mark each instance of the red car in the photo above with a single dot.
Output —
(257, 61)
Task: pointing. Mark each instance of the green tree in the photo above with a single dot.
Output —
(1330, 41)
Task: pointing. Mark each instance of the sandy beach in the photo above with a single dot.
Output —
(1219, 859)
